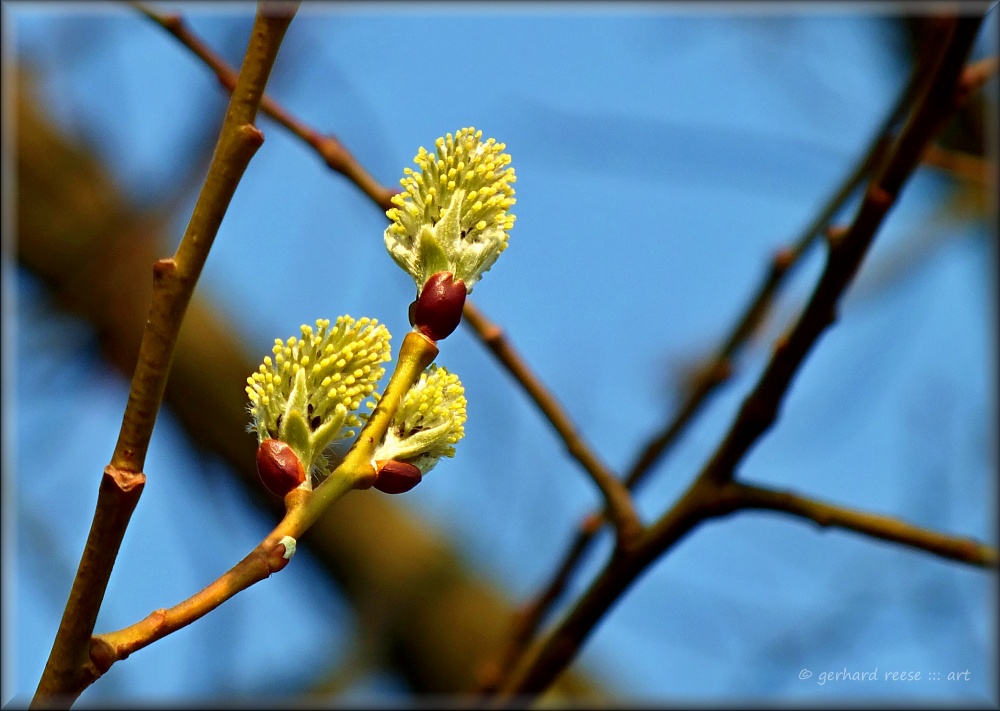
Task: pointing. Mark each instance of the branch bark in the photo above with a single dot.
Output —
(338, 158)
(715, 371)
(886, 528)
(68, 670)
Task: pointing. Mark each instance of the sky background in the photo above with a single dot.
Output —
(663, 152)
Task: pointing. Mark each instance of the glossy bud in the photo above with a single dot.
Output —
(279, 467)
(438, 310)
(393, 477)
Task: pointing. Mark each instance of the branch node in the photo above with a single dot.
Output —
(975, 75)
(159, 617)
(331, 150)
(251, 136)
(630, 537)
(172, 22)
(164, 268)
(592, 523)
(782, 260)
(835, 235)
(878, 196)
(721, 371)
(280, 553)
(125, 480)
(102, 654)
(493, 335)
(227, 80)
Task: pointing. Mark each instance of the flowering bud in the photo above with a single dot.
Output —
(308, 395)
(425, 428)
(453, 215)
(393, 477)
(279, 467)
(438, 310)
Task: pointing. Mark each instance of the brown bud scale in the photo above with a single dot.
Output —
(394, 477)
(279, 467)
(438, 310)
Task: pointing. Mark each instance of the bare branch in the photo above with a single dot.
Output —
(886, 528)
(715, 372)
(329, 148)
(970, 168)
(616, 497)
(68, 672)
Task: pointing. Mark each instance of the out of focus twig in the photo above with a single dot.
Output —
(709, 376)
(327, 146)
(964, 550)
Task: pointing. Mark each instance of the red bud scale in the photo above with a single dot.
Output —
(279, 467)
(438, 310)
(395, 477)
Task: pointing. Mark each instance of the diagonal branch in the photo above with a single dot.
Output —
(329, 148)
(616, 497)
(938, 98)
(68, 670)
(304, 508)
(87, 251)
(719, 367)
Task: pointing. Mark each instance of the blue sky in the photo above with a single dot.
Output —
(663, 152)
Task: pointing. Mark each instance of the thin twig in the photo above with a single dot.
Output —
(887, 528)
(619, 504)
(208, 400)
(975, 75)
(106, 649)
(719, 367)
(68, 670)
(784, 259)
(709, 494)
(960, 165)
(845, 254)
(327, 146)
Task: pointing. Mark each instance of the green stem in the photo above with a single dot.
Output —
(416, 353)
